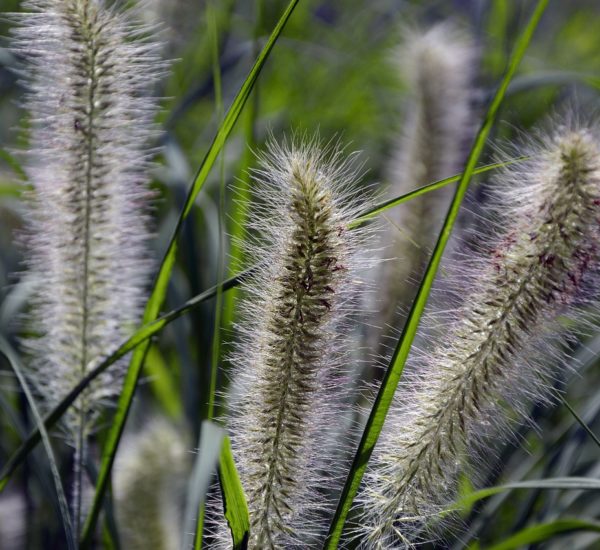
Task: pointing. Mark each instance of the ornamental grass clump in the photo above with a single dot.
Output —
(89, 75)
(295, 337)
(498, 354)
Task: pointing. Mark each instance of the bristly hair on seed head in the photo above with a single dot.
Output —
(500, 351)
(89, 71)
(291, 381)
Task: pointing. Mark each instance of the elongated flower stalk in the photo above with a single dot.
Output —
(289, 364)
(438, 66)
(89, 72)
(495, 355)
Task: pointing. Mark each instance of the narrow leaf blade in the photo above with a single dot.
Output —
(204, 467)
(234, 500)
(545, 531)
(392, 376)
(386, 205)
(564, 483)
(160, 288)
(12, 360)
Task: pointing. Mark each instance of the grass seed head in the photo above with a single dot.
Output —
(438, 66)
(496, 354)
(149, 482)
(89, 73)
(295, 336)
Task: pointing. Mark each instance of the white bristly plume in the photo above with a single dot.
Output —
(89, 72)
(500, 351)
(291, 384)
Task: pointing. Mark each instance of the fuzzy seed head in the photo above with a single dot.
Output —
(438, 67)
(150, 475)
(294, 339)
(88, 72)
(496, 350)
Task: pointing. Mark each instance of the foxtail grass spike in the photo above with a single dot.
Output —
(438, 67)
(89, 73)
(295, 336)
(149, 483)
(500, 350)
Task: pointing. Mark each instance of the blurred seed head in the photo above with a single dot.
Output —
(438, 67)
(89, 70)
(150, 473)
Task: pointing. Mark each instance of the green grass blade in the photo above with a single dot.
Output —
(234, 111)
(110, 531)
(564, 483)
(234, 500)
(210, 397)
(394, 371)
(216, 340)
(12, 360)
(10, 189)
(160, 287)
(545, 531)
(551, 78)
(386, 205)
(202, 472)
(11, 161)
(581, 421)
(239, 208)
(163, 384)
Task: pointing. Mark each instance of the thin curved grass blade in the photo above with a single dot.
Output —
(581, 421)
(386, 205)
(12, 360)
(160, 287)
(392, 376)
(540, 79)
(564, 483)
(545, 531)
